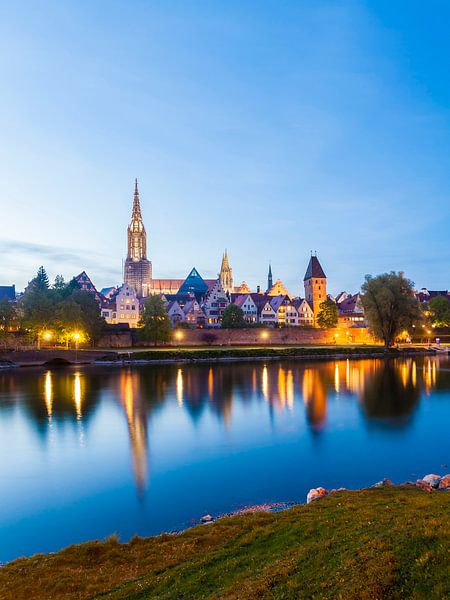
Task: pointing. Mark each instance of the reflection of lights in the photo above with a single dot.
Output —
(347, 373)
(180, 387)
(404, 375)
(210, 383)
(77, 394)
(48, 394)
(336, 377)
(282, 386)
(265, 383)
(290, 389)
(414, 374)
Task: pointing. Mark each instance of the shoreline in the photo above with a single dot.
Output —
(217, 355)
(401, 528)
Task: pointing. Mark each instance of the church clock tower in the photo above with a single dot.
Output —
(137, 269)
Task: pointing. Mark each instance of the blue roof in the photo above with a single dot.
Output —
(7, 292)
(193, 284)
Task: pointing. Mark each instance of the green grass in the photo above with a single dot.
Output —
(220, 352)
(384, 543)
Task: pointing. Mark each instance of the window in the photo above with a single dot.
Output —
(122, 316)
(133, 307)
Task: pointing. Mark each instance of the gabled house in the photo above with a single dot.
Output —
(246, 303)
(278, 289)
(266, 314)
(214, 304)
(175, 312)
(193, 314)
(351, 312)
(123, 307)
(286, 312)
(84, 282)
(305, 312)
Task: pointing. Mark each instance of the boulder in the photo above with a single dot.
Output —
(316, 494)
(444, 483)
(207, 519)
(423, 485)
(382, 483)
(432, 479)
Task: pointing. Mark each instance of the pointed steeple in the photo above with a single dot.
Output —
(269, 278)
(136, 215)
(226, 274)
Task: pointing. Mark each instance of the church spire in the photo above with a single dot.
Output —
(226, 274)
(269, 278)
(136, 215)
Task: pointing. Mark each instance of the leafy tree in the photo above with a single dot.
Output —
(233, 317)
(155, 321)
(38, 309)
(390, 305)
(68, 319)
(91, 320)
(8, 315)
(59, 283)
(440, 310)
(328, 314)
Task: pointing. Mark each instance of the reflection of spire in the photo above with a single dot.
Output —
(49, 394)
(137, 427)
(265, 383)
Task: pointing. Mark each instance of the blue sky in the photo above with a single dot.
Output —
(270, 128)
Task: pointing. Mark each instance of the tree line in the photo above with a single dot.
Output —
(62, 311)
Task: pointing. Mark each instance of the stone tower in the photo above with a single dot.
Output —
(226, 274)
(269, 278)
(315, 282)
(137, 269)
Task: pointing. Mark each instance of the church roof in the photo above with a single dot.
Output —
(193, 284)
(314, 269)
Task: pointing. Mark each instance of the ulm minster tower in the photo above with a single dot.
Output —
(137, 269)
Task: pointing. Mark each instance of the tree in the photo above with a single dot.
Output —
(390, 305)
(233, 317)
(40, 282)
(92, 321)
(328, 314)
(68, 319)
(154, 321)
(8, 315)
(59, 283)
(440, 311)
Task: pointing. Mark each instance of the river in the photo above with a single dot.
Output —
(91, 451)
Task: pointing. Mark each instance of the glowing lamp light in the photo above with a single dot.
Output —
(76, 336)
(336, 335)
(179, 335)
(265, 335)
(47, 335)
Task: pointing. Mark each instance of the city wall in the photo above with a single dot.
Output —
(252, 336)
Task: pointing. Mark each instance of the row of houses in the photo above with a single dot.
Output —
(201, 302)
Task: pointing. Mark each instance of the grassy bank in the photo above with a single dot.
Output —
(378, 543)
(235, 352)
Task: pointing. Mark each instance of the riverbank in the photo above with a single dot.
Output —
(204, 354)
(387, 542)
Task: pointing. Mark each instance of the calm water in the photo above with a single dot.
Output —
(88, 452)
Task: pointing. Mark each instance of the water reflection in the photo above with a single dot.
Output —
(387, 391)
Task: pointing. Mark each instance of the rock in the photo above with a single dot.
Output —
(444, 483)
(432, 479)
(207, 519)
(423, 485)
(316, 494)
(382, 483)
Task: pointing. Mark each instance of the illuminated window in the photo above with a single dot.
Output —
(122, 316)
